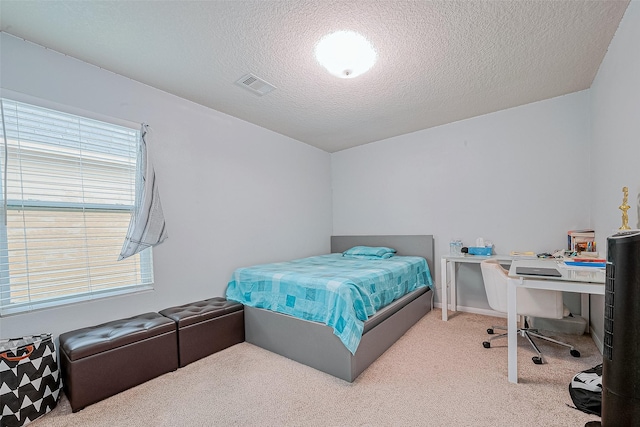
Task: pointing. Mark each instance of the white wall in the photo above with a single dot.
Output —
(518, 177)
(615, 130)
(234, 194)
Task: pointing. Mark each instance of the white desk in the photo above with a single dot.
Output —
(585, 281)
(448, 276)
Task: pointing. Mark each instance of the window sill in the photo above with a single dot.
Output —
(45, 305)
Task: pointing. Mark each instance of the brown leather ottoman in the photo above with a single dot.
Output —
(100, 361)
(206, 327)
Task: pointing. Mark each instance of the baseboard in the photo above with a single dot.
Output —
(475, 310)
(596, 339)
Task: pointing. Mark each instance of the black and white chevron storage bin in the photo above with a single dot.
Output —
(29, 379)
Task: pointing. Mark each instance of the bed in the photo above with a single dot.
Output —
(320, 346)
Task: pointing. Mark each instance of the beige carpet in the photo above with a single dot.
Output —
(437, 374)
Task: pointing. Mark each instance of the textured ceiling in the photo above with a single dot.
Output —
(438, 61)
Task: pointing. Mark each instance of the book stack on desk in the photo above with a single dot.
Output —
(586, 262)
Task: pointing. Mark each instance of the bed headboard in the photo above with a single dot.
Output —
(416, 245)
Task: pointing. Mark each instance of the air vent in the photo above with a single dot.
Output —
(255, 84)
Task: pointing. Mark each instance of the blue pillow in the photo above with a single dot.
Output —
(385, 256)
(370, 251)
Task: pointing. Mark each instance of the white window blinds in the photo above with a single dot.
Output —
(68, 190)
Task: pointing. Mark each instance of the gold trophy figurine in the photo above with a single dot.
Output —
(624, 207)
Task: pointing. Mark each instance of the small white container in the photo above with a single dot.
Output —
(455, 247)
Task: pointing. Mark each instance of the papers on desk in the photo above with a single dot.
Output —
(515, 255)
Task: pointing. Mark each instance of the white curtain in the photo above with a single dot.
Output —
(147, 227)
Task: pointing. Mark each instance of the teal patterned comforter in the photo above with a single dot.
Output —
(337, 291)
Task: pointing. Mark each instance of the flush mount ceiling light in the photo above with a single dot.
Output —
(345, 54)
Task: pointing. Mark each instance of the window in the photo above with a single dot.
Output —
(68, 191)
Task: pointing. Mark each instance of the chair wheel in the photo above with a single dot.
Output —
(490, 331)
(575, 353)
(486, 344)
(537, 360)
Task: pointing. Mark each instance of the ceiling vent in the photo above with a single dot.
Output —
(255, 84)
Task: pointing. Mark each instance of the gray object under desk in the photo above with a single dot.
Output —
(315, 345)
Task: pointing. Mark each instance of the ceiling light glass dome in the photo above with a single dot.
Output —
(345, 54)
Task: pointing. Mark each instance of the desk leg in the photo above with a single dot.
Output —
(584, 309)
(452, 285)
(444, 278)
(512, 331)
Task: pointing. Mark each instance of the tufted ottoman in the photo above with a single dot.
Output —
(205, 327)
(103, 360)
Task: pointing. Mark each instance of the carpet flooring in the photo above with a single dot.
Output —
(437, 374)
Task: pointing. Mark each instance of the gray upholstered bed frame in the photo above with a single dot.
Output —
(315, 345)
